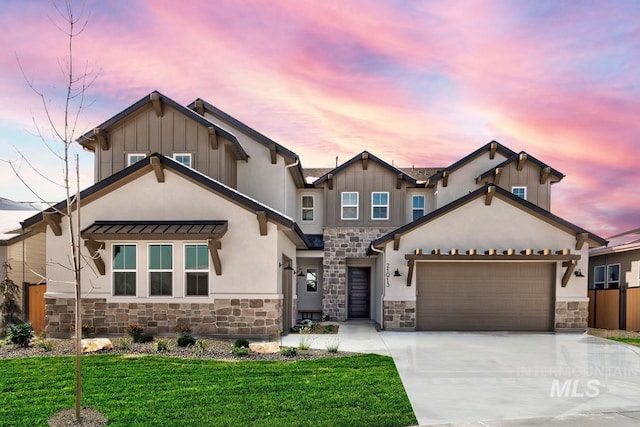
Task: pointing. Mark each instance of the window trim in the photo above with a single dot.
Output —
(386, 206)
(603, 283)
(196, 270)
(130, 155)
(343, 205)
(190, 155)
(312, 208)
(160, 270)
(413, 207)
(520, 187)
(128, 270)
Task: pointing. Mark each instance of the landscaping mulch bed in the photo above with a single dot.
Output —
(612, 333)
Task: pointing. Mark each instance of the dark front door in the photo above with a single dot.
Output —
(359, 292)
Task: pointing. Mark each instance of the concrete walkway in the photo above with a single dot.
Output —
(499, 379)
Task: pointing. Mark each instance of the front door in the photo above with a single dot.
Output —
(359, 292)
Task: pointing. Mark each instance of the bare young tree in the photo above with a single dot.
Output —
(62, 131)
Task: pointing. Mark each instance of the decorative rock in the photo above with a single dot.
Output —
(264, 348)
(89, 345)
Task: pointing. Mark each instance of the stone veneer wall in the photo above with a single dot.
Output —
(341, 243)
(571, 315)
(400, 315)
(233, 317)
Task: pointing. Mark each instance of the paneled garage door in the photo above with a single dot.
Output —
(485, 296)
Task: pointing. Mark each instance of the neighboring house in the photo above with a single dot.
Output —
(614, 283)
(197, 218)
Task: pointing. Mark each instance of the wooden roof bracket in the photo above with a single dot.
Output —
(493, 147)
(157, 104)
(445, 178)
(570, 265)
(496, 175)
(93, 247)
(101, 138)
(53, 220)
(489, 196)
(581, 239)
(213, 138)
(199, 107)
(410, 263)
(545, 173)
(274, 155)
(365, 161)
(214, 246)
(262, 222)
(330, 181)
(522, 158)
(396, 242)
(399, 179)
(158, 168)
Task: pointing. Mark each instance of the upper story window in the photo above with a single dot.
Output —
(124, 270)
(134, 158)
(184, 158)
(312, 280)
(379, 205)
(598, 277)
(606, 276)
(160, 270)
(349, 205)
(417, 207)
(308, 205)
(613, 276)
(196, 267)
(520, 192)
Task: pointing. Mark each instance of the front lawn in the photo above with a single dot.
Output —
(632, 341)
(362, 390)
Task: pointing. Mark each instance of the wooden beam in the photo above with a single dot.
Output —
(399, 179)
(490, 252)
(213, 246)
(545, 173)
(410, 263)
(445, 178)
(492, 256)
(200, 107)
(526, 252)
(93, 247)
(157, 104)
(570, 265)
(509, 251)
(158, 168)
(436, 251)
(496, 175)
(365, 161)
(101, 138)
(453, 251)
(545, 252)
(53, 220)
(418, 251)
(472, 251)
(213, 138)
(396, 242)
(489, 196)
(330, 181)
(274, 154)
(563, 252)
(492, 150)
(581, 239)
(522, 159)
(262, 222)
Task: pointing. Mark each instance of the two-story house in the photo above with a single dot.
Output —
(197, 218)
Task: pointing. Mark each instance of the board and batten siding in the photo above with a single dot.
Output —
(356, 179)
(529, 177)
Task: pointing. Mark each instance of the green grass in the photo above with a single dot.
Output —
(361, 390)
(634, 341)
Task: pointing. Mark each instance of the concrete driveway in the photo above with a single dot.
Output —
(487, 379)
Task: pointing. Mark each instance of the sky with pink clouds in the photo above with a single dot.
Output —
(419, 83)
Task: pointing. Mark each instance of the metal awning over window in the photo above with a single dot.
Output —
(155, 230)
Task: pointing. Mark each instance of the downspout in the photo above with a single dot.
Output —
(374, 249)
(284, 183)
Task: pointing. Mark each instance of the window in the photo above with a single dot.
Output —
(598, 277)
(520, 192)
(417, 206)
(307, 208)
(124, 270)
(184, 158)
(160, 270)
(349, 205)
(379, 205)
(613, 276)
(134, 158)
(312, 280)
(196, 267)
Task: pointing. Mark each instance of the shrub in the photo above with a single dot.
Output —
(162, 345)
(200, 346)
(85, 330)
(143, 338)
(183, 329)
(239, 351)
(186, 340)
(125, 344)
(289, 351)
(241, 343)
(21, 334)
(329, 328)
(134, 330)
(46, 345)
(332, 347)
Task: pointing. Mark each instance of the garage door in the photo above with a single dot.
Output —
(485, 296)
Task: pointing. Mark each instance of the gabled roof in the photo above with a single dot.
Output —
(514, 158)
(200, 106)
(88, 140)
(499, 193)
(144, 166)
(623, 242)
(368, 156)
(493, 145)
